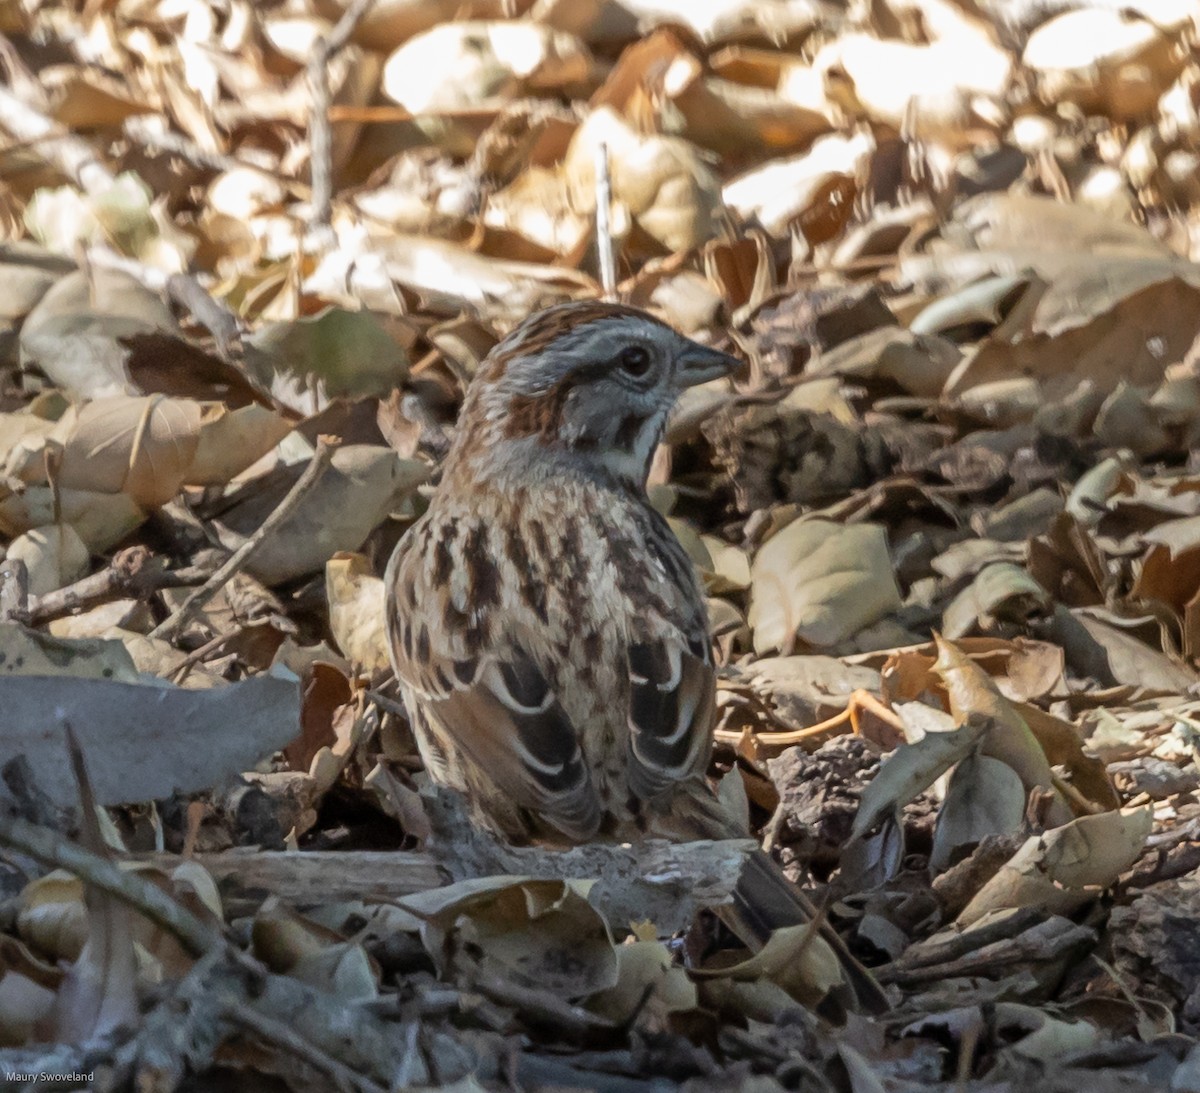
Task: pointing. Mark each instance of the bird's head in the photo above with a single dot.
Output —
(591, 383)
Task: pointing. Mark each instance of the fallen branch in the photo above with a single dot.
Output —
(663, 881)
(134, 573)
(320, 876)
(322, 457)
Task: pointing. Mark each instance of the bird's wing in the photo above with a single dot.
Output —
(672, 683)
(671, 715)
(493, 704)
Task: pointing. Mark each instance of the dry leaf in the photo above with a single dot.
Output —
(1063, 869)
(465, 64)
(142, 447)
(349, 501)
(54, 557)
(120, 724)
(356, 608)
(538, 933)
(820, 582)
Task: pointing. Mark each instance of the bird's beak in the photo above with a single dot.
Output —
(699, 364)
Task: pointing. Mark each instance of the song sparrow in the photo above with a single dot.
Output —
(545, 624)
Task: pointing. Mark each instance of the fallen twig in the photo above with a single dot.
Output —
(604, 240)
(317, 466)
(320, 129)
(52, 849)
(133, 573)
(541, 1006)
(271, 1029)
(74, 157)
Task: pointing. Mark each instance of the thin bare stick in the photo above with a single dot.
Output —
(274, 1031)
(142, 131)
(317, 466)
(320, 129)
(133, 572)
(52, 849)
(604, 241)
(74, 157)
(184, 667)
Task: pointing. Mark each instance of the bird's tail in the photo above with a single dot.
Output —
(765, 901)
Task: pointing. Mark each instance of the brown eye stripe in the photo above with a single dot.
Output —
(536, 415)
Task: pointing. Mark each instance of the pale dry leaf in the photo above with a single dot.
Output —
(53, 917)
(739, 119)
(54, 556)
(715, 21)
(461, 65)
(795, 958)
(98, 621)
(232, 440)
(356, 600)
(729, 567)
(23, 439)
(24, 1005)
(649, 984)
(160, 659)
(64, 219)
(944, 90)
(387, 24)
(1132, 661)
(291, 944)
(243, 193)
(539, 206)
(1106, 60)
(355, 495)
(448, 277)
(538, 933)
(970, 690)
(807, 689)
(1063, 744)
(820, 582)
(75, 332)
(99, 993)
(912, 768)
(667, 188)
(1065, 868)
(142, 447)
(24, 651)
(26, 272)
(1002, 592)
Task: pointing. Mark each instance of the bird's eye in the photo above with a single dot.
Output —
(635, 360)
